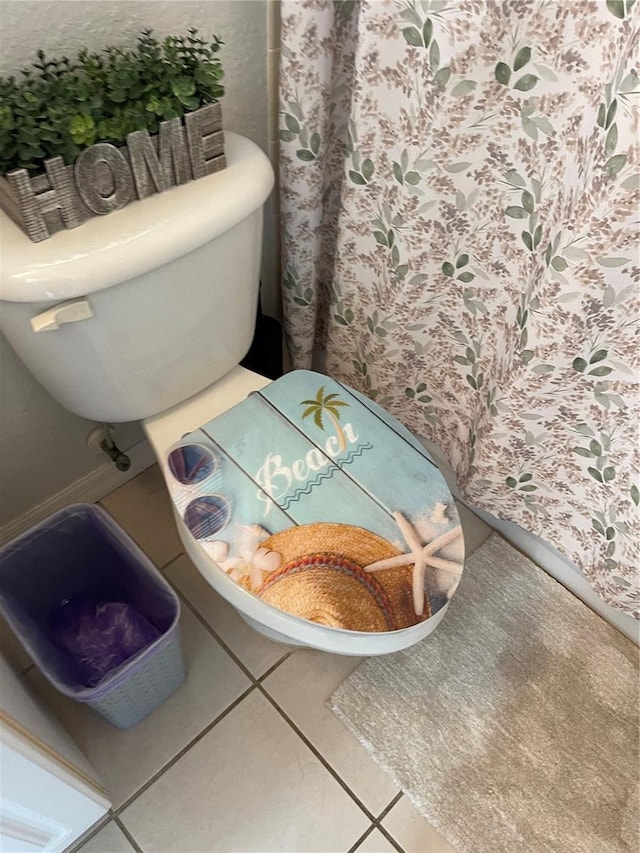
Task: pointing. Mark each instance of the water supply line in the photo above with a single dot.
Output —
(100, 440)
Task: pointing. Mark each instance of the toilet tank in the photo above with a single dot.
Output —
(153, 303)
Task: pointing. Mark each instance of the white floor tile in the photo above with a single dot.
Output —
(474, 530)
(375, 842)
(126, 759)
(108, 840)
(301, 686)
(412, 832)
(143, 507)
(255, 651)
(249, 785)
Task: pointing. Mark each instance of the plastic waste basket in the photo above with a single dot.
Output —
(81, 552)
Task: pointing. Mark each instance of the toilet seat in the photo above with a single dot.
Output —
(202, 496)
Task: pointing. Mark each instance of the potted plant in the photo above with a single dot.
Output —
(107, 127)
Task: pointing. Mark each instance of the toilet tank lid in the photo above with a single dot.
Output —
(145, 235)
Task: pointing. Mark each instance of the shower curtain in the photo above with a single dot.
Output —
(459, 197)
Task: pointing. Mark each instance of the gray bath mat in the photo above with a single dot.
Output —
(514, 727)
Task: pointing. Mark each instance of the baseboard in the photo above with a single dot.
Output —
(542, 554)
(88, 489)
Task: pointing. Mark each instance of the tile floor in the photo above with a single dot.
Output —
(244, 756)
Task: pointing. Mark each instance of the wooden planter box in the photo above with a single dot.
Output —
(105, 177)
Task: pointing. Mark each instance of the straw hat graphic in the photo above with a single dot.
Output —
(322, 578)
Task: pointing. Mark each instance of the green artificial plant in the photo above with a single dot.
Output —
(60, 107)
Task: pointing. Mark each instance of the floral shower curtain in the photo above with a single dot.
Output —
(459, 195)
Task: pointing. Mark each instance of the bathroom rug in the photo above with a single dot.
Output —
(514, 727)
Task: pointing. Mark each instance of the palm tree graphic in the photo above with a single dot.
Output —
(328, 405)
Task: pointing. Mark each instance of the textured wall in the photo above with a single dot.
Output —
(42, 447)
(64, 26)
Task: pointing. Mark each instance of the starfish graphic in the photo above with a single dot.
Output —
(421, 556)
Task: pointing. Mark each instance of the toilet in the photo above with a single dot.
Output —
(312, 511)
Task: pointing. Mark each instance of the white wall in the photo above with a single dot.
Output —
(42, 447)
(63, 26)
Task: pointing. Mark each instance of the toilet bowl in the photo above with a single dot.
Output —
(176, 428)
(146, 315)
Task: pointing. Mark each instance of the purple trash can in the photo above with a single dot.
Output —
(80, 552)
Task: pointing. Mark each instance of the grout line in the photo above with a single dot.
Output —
(127, 835)
(89, 833)
(215, 635)
(316, 752)
(377, 824)
(389, 837)
(360, 840)
(378, 821)
(388, 808)
(118, 811)
(173, 560)
(144, 551)
(166, 565)
(211, 630)
(275, 666)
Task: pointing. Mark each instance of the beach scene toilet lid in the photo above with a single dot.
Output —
(318, 502)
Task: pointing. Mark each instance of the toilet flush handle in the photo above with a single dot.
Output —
(65, 312)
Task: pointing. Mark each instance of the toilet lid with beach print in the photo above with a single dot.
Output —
(314, 499)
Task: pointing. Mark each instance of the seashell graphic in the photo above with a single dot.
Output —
(192, 463)
(206, 516)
